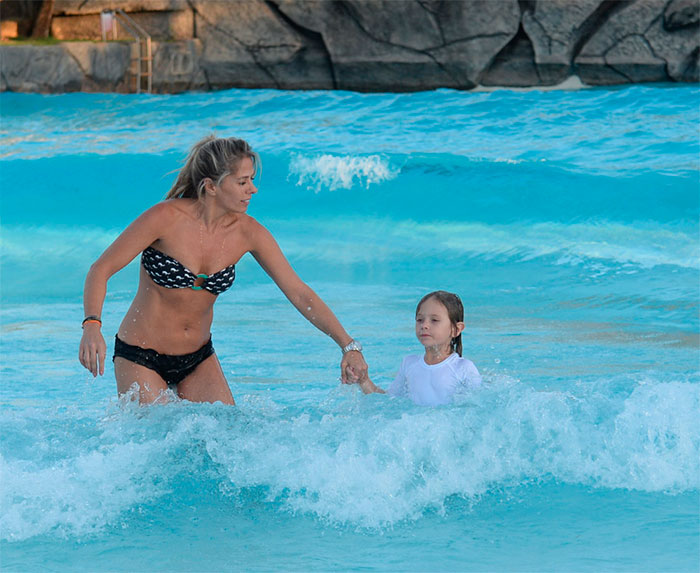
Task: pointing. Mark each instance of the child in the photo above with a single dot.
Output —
(434, 378)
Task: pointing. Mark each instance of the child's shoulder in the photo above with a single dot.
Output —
(464, 362)
(468, 369)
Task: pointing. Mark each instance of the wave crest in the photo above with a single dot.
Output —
(340, 172)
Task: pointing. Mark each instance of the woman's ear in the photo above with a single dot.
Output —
(457, 329)
(209, 187)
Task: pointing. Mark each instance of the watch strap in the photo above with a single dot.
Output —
(352, 345)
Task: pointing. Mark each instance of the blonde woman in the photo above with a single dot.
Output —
(189, 246)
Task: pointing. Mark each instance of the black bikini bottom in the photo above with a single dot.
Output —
(173, 368)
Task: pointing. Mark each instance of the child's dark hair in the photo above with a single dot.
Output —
(455, 312)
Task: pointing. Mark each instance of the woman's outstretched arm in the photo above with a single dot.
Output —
(270, 257)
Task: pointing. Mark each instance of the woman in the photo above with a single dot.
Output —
(164, 339)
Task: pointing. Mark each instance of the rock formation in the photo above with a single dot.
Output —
(364, 45)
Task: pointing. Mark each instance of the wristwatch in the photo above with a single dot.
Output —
(353, 345)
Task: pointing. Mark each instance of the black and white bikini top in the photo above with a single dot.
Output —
(171, 273)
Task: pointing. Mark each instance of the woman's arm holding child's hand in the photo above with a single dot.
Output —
(368, 387)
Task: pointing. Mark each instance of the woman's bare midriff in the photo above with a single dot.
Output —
(170, 321)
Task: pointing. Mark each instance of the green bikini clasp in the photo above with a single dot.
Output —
(199, 281)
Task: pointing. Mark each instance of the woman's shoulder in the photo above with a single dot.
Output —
(180, 206)
(253, 223)
(257, 233)
(172, 209)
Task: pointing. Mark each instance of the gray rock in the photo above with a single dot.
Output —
(681, 14)
(43, 69)
(555, 28)
(634, 58)
(176, 67)
(104, 66)
(634, 46)
(408, 45)
(361, 54)
(311, 14)
(404, 25)
(478, 19)
(367, 45)
(514, 66)
(475, 33)
(598, 62)
(679, 49)
(247, 44)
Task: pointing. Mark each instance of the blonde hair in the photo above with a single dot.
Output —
(210, 158)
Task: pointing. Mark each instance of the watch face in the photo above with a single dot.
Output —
(354, 345)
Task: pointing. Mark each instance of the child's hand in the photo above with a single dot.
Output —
(367, 386)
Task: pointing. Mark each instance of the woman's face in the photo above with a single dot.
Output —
(236, 189)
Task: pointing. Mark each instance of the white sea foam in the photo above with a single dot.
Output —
(78, 494)
(386, 467)
(371, 461)
(340, 172)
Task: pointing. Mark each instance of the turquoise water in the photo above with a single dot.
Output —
(568, 223)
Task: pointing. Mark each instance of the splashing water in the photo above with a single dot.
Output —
(332, 172)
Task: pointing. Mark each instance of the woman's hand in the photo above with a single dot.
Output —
(353, 367)
(93, 349)
(367, 386)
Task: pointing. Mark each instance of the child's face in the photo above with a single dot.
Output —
(433, 326)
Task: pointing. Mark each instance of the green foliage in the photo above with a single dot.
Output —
(20, 41)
